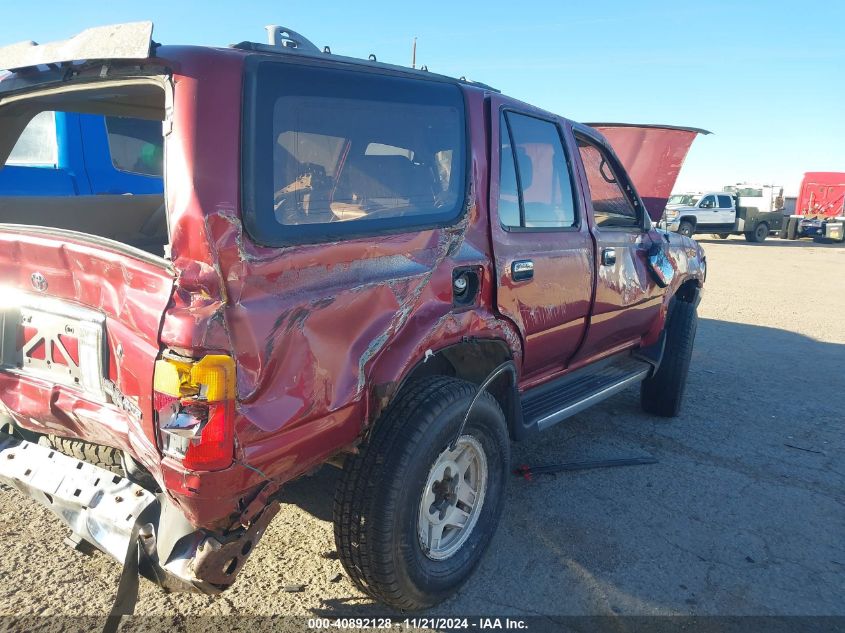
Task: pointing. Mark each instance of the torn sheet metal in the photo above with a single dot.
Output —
(132, 40)
(96, 504)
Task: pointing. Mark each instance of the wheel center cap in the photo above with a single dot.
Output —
(445, 492)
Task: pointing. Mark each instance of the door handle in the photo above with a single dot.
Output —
(608, 256)
(522, 270)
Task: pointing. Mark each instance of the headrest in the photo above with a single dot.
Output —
(526, 167)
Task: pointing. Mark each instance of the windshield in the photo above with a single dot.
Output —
(745, 192)
(684, 198)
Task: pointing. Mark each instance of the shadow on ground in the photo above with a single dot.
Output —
(314, 493)
(739, 517)
(770, 242)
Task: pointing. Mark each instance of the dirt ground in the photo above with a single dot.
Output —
(743, 515)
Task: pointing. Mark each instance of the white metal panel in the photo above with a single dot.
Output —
(118, 41)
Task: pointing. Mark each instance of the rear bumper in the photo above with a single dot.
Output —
(114, 515)
(208, 500)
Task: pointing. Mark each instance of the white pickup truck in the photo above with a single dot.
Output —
(718, 212)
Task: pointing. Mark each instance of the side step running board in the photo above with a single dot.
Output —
(551, 403)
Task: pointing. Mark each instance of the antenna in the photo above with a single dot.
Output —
(414, 53)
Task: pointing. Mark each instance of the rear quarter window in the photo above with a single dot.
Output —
(331, 153)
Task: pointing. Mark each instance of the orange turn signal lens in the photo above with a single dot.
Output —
(212, 378)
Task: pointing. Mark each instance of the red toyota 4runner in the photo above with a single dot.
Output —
(353, 263)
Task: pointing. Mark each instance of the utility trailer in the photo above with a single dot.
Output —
(757, 205)
(752, 211)
(820, 208)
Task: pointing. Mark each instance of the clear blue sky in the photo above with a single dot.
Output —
(768, 78)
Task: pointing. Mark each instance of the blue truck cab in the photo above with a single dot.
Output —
(71, 154)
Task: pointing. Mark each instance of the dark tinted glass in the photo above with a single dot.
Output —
(611, 206)
(136, 145)
(543, 173)
(508, 189)
(340, 153)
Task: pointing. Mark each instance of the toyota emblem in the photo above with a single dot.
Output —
(39, 282)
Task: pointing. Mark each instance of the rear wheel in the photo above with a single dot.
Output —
(413, 512)
(662, 393)
(686, 228)
(792, 229)
(759, 234)
(784, 225)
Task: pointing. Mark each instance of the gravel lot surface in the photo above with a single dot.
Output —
(743, 515)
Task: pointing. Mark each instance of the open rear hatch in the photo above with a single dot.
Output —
(81, 313)
(652, 155)
(80, 324)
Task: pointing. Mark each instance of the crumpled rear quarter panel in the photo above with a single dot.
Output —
(313, 328)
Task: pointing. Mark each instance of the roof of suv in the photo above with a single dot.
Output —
(133, 42)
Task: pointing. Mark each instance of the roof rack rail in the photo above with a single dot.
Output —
(288, 38)
(478, 84)
(281, 39)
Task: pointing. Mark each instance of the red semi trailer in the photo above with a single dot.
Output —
(820, 207)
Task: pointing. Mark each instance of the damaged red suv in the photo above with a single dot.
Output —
(384, 269)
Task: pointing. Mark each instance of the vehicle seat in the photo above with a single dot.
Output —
(384, 182)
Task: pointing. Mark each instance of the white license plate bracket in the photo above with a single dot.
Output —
(55, 341)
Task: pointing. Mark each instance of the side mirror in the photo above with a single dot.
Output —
(661, 265)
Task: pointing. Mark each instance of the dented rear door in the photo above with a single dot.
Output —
(541, 239)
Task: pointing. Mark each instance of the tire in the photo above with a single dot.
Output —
(102, 456)
(379, 502)
(721, 236)
(686, 228)
(662, 393)
(784, 225)
(759, 234)
(792, 229)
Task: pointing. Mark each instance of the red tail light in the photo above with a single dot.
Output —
(214, 449)
(194, 404)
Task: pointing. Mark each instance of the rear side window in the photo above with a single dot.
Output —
(37, 143)
(332, 153)
(611, 205)
(725, 202)
(535, 188)
(135, 145)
